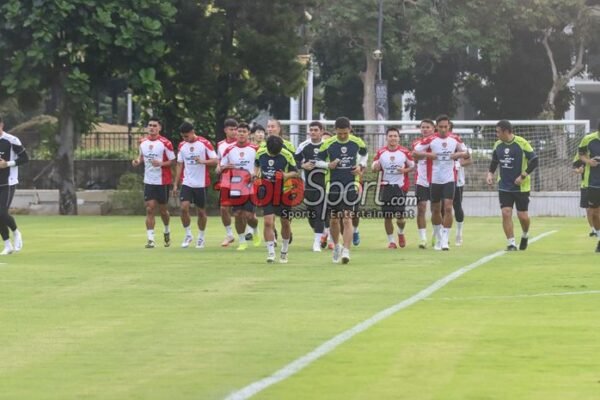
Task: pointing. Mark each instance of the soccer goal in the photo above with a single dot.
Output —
(555, 142)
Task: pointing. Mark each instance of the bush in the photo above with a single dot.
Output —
(100, 154)
(128, 199)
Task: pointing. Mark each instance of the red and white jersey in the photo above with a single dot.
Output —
(424, 166)
(241, 156)
(391, 161)
(223, 145)
(195, 175)
(160, 149)
(460, 172)
(443, 168)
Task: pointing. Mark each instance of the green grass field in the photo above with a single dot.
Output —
(87, 312)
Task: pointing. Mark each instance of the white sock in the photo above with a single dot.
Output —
(356, 229)
(200, 234)
(284, 246)
(271, 247)
(318, 238)
(445, 233)
(326, 231)
(249, 229)
(400, 231)
(437, 230)
(423, 234)
(17, 233)
(459, 228)
(7, 244)
(229, 231)
(188, 230)
(525, 235)
(511, 241)
(242, 238)
(167, 229)
(150, 234)
(390, 238)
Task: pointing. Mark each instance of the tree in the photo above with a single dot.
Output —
(70, 47)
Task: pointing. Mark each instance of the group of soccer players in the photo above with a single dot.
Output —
(325, 173)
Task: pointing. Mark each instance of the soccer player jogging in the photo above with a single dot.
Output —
(273, 166)
(156, 153)
(579, 168)
(394, 162)
(237, 165)
(445, 148)
(230, 129)
(517, 160)
(194, 157)
(459, 213)
(343, 155)
(12, 154)
(422, 177)
(314, 178)
(589, 153)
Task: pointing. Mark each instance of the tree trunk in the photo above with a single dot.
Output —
(368, 80)
(223, 100)
(64, 157)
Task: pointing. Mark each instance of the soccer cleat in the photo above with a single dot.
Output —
(523, 244)
(200, 243)
(459, 241)
(283, 258)
(316, 247)
(337, 253)
(227, 241)
(150, 244)
(324, 241)
(242, 246)
(392, 245)
(7, 250)
(345, 256)
(187, 240)
(18, 241)
(445, 248)
(423, 244)
(249, 236)
(438, 245)
(256, 241)
(591, 234)
(511, 247)
(401, 240)
(167, 237)
(271, 258)
(356, 238)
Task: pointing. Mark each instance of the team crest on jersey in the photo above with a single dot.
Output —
(271, 163)
(393, 158)
(444, 145)
(344, 150)
(316, 150)
(192, 149)
(242, 154)
(151, 146)
(506, 151)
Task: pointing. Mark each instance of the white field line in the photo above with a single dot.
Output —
(325, 348)
(515, 296)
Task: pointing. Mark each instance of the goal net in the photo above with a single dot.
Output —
(555, 143)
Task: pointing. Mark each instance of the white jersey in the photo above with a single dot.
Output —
(223, 145)
(391, 161)
(460, 172)
(158, 149)
(423, 172)
(242, 157)
(443, 169)
(195, 175)
(11, 149)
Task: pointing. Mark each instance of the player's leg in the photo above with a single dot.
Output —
(388, 225)
(334, 229)
(226, 211)
(423, 195)
(151, 206)
(252, 222)
(355, 230)
(347, 235)
(506, 205)
(10, 221)
(186, 222)
(522, 205)
(286, 234)
(269, 232)
(436, 192)
(163, 208)
(315, 216)
(459, 214)
(401, 224)
(594, 205)
(448, 218)
(200, 202)
(239, 217)
(4, 195)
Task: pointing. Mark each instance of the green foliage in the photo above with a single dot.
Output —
(102, 154)
(128, 199)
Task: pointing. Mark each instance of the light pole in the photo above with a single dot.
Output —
(381, 95)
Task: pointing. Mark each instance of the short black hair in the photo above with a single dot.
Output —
(317, 124)
(155, 119)
(504, 125)
(243, 125)
(342, 123)
(392, 128)
(441, 118)
(186, 127)
(230, 123)
(427, 121)
(274, 145)
(257, 127)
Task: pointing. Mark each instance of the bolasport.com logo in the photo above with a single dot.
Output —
(238, 187)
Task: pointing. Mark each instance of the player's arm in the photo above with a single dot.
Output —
(225, 163)
(493, 167)
(362, 158)
(323, 158)
(409, 166)
(178, 171)
(461, 153)
(585, 158)
(137, 161)
(420, 152)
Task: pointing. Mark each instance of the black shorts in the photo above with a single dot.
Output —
(160, 193)
(583, 201)
(317, 203)
(593, 197)
(196, 196)
(394, 201)
(520, 199)
(280, 211)
(6, 196)
(247, 206)
(423, 193)
(346, 201)
(442, 191)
